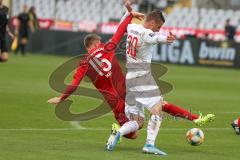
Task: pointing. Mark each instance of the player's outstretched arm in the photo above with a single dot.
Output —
(54, 100)
(156, 38)
(171, 38)
(122, 28)
(128, 6)
(126, 19)
(77, 78)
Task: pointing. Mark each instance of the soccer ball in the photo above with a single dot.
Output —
(195, 136)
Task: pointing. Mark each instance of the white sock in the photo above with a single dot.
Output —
(154, 124)
(129, 127)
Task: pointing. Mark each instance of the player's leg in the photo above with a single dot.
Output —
(133, 111)
(236, 126)
(148, 95)
(4, 51)
(119, 114)
(177, 111)
(0, 56)
(133, 125)
(154, 105)
(127, 128)
(136, 120)
(121, 117)
(23, 44)
(118, 107)
(23, 40)
(129, 109)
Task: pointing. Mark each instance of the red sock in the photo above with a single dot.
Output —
(239, 122)
(177, 111)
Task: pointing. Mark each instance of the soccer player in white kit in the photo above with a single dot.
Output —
(141, 89)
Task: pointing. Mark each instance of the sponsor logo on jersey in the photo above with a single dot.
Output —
(135, 32)
(151, 34)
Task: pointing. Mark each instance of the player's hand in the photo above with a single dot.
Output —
(54, 100)
(128, 5)
(171, 38)
(138, 15)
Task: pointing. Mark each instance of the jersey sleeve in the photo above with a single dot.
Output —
(124, 17)
(122, 28)
(153, 38)
(77, 78)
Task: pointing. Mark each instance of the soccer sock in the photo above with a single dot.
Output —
(154, 124)
(179, 112)
(129, 127)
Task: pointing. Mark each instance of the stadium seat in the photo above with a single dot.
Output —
(202, 18)
(82, 10)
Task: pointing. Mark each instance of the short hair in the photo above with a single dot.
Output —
(156, 16)
(88, 39)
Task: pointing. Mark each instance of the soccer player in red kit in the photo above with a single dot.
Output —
(101, 66)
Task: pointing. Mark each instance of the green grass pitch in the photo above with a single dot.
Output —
(29, 129)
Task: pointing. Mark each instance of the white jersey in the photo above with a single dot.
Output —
(140, 43)
(141, 88)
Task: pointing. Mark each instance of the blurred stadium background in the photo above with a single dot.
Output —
(202, 24)
(183, 15)
(29, 128)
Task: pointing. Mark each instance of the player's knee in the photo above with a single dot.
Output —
(140, 121)
(157, 109)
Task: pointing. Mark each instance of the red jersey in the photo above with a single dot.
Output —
(102, 67)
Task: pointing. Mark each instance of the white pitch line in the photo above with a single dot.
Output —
(111, 114)
(99, 129)
(226, 112)
(77, 125)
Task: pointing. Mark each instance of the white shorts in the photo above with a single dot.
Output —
(142, 103)
(141, 92)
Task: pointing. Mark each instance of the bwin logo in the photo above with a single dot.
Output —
(216, 53)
